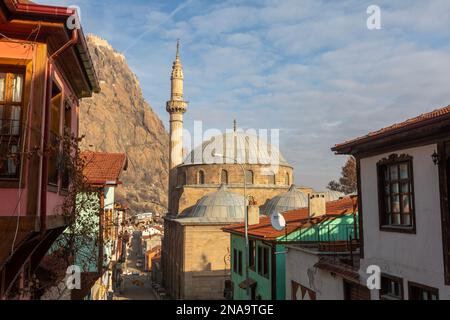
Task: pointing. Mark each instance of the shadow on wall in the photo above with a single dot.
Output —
(206, 266)
(201, 286)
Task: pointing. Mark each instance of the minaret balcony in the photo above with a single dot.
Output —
(176, 106)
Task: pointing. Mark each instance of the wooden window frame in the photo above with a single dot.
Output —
(266, 262)
(431, 290)
(443, 150)
(385, 163)
(235, 261)
(240, 263)
(395, 279)
(12, 181)
(263, 261)
(259, 259)
(52, 186)
(252, 255)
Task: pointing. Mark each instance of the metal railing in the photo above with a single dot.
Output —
(339, 241)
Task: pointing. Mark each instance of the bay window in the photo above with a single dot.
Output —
(11, 105)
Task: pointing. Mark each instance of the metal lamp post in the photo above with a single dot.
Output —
(245, 217)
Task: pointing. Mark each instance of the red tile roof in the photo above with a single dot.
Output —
(102, 167)
(423, 119)
(295, 219)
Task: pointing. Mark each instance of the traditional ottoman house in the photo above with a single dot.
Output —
(325, 226)
(403, 184)
(97, 256)
(45, 69)
(195, 250)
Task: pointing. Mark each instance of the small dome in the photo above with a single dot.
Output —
(220, 205)
(333, 195)
(291, 200)
(245, 148)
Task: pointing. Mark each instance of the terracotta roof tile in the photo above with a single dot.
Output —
(295, 219)
(416, 121)
(102, 167)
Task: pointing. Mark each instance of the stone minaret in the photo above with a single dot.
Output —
(176, 106)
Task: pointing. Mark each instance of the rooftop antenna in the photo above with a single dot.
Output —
(234, 125)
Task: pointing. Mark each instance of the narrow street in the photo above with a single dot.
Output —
(137, 283)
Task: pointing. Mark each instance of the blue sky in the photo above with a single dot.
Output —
(310, 68)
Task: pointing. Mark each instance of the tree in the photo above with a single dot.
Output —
(347, 182)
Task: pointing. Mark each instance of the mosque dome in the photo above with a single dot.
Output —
(244, 148)
(291, 200)
(221, 205)
(331, 195)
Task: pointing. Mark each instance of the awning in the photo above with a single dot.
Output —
(248, 283)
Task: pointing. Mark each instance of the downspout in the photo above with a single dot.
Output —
(44, 169)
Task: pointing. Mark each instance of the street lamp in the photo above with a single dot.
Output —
(245, 217)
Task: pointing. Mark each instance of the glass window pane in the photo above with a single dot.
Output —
(405, 188)
(387, 189)
(2, 111)
(406, 204)
(395, 188)
(396, 219)
(404, 171)
(394, 172)
(15, 120)
(389, 219)
(12, 161)
(406, 219)
(2, 86)
(5, 127)
(396, 204)
(388, 204)
(17, 88)
(386, 173)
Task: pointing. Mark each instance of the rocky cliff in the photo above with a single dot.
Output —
(119, 120)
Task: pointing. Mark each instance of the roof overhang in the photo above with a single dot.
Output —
(429, 130)
(18, 20)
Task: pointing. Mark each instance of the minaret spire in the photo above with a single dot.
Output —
(176, 107)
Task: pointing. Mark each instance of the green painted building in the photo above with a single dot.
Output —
(266, 271)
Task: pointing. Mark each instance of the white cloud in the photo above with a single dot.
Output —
(310, 68)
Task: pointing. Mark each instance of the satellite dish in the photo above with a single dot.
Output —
(277, 221)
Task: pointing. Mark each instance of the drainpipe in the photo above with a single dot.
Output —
(44, 169)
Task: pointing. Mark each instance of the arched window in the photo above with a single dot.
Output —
(271, 178)
(201, 177)
(182, 178)
(287, 179)
(248, 176)
(224, 177)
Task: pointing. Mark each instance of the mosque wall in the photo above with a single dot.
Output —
(207, 261)
(190, 189)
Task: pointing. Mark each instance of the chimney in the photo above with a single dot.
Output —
(317, 204)
(253, 214)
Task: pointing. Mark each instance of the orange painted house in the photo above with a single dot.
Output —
(45, 69)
